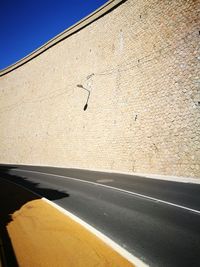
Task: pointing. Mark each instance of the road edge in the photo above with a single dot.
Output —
(120, 250)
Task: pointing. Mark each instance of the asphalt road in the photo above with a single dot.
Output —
(184, 194)
(158, 233)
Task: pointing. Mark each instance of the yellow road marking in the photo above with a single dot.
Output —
(44, 237)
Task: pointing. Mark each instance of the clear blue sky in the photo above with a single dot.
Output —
(27, 24)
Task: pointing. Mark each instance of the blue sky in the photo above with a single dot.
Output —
(27, 24)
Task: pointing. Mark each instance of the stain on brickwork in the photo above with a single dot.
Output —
(141, 64)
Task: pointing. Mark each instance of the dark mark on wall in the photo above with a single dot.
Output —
(155, 146)
(89, 76)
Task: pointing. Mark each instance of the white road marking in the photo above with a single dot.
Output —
(104, 180)
(124, 253)
(170, 178)
(114, 188)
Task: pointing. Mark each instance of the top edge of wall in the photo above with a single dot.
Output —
(98, 13)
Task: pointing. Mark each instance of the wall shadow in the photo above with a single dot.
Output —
(50, 194)
(12, 198)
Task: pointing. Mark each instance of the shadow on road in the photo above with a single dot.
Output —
(12, 198)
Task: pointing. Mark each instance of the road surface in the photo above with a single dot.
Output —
(139, 214)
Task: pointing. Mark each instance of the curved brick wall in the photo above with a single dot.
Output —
(141, 62)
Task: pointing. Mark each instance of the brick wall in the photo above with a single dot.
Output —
(141, 63)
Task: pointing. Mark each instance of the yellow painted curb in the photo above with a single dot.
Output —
(43, 237)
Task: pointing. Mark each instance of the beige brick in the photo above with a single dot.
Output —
(140, 62)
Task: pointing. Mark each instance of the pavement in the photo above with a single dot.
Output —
(185, 194)
(42, 235)
(156, 221)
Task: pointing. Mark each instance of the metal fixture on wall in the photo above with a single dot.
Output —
(86, 104)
